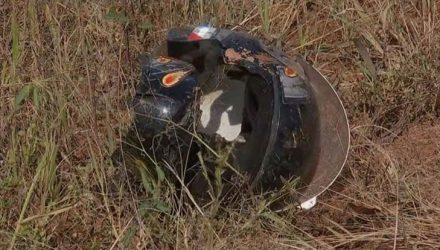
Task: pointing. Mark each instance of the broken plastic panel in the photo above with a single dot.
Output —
(277, 116)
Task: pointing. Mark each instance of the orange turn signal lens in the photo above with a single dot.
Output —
(290, 72)
(171, 79)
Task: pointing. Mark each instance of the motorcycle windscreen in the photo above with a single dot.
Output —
(331, 141)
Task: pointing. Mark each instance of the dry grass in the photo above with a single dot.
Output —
(68, 69)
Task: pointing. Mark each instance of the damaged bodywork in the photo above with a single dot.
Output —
(213, 90)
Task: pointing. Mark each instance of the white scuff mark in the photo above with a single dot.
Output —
(222, 110)
(308, 204)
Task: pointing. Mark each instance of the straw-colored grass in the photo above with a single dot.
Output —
(68, 69)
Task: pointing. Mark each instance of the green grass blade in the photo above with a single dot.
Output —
(15, 32)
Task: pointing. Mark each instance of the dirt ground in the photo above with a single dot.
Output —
(68, 70)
